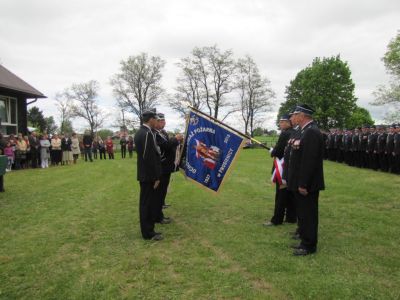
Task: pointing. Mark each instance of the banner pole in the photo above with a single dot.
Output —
(233, 129)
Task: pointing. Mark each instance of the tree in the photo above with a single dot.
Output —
(36, 119)
(51, 127)
(326, 86)
(359, 117)
(83, 97)
(138, 85)
(104, 133)
(254, 91)
(206, 78)
(64, 107)
(189, 91)
(389, 96)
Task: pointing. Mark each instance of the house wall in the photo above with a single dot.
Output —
(22, 122)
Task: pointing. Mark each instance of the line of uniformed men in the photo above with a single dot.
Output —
(302, 177)
(156, 160)
(373, 147)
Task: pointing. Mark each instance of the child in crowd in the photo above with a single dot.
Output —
(9, 152)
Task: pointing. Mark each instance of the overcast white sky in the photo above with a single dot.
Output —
(53, 44)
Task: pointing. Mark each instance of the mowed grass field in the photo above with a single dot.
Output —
(72, 232)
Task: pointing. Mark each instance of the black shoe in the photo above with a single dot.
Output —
(157, 237)
(303, 252)
(165, 221)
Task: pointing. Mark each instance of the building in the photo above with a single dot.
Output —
(14, 95)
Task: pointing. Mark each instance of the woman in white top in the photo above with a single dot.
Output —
(44, 151)
(75, 147)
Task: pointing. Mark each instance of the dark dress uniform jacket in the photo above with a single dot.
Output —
(279, 149)
(168, 151)
(148, 156)
(306, 160)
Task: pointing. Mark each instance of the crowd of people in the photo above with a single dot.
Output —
(373, 147)
(42, 151)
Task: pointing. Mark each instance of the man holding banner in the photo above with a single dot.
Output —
(167, 147)
(283, 198)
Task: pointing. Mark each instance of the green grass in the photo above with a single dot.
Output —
(73, 233)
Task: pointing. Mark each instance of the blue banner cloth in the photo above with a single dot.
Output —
(210, 150)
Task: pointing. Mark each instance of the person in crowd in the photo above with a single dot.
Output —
(20, 152)
(95, 147)
(3, 143)
(9, 152)
(75, 148)
(306, 178)
(148, 174)
(66, 148)
(110, 147)
(35, 149)
(396, 150)
(82, 148)
(131, 146)
(390, 147)
(284, 202)
(381, 148)
(123, 143)
(87, 143)
(373, 161)
(102, 148)
(56, 152)
(355, 146)
(44, 151)
(28, 152)
(364, 137)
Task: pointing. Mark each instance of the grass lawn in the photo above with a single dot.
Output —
(73, 233)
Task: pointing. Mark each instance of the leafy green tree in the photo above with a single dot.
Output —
(359, 117)
(389, 96)
(104, 133)
(36, 118)
(326, 86)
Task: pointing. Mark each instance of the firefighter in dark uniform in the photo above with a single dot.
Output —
(306, 178)
(168, 154)
(283, 198)
(347, 144)
(390, 147)
(381, 148)
(355, 146)
(148, 174)
(364, 160)
(373, 162)
(396, 150)
(339, 145)
(331, 145)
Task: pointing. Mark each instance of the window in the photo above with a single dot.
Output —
(8, 115)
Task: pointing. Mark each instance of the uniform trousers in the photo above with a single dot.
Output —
(161, 195)
(383, 163)
(148, 198)
(284, 202)
(307, 214)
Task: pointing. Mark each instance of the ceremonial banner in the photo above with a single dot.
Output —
(210, 149)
